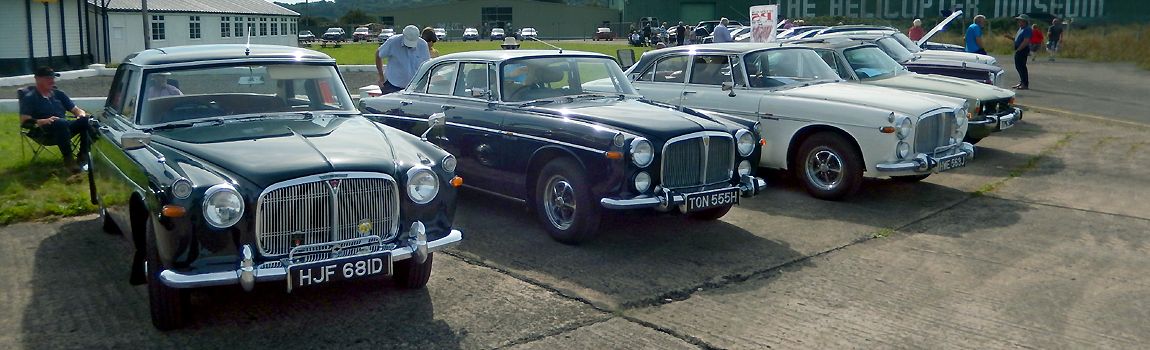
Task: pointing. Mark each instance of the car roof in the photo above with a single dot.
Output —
(198, 53)
(502, 55)
(729, 48)
(828, 43)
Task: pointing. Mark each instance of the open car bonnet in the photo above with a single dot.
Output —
(938, 28)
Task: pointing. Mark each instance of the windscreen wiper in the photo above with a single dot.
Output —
(538, 102)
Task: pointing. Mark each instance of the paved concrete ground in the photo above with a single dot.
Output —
(1115, 90)
(1042, 242)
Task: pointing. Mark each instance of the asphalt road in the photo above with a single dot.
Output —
(1041, 242)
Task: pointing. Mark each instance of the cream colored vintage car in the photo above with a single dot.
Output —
(829, 132)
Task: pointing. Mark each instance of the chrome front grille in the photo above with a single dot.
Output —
(934, 133)
(996, 107)
(697, 159)
(326, 208)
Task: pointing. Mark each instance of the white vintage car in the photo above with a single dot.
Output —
(922, 48)
(829, 132)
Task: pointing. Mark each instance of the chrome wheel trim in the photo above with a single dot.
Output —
(559, 202)
(824, 168)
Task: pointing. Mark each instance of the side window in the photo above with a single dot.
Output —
(829, 57)
(668, 70)
(472, 76)
(442, 79)
(131, 92)
(492, 80)
(115, 99)
(711, 70)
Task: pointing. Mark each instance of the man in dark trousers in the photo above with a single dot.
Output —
(1054, 38)
(43, 110)
(680, 33)
(1022, 50)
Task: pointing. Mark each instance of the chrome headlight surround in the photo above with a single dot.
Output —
(745, 168)
(745, 142)
(961, 116)
(449, 163)
(422, 184)
(182, 188)
(903, 127)
(902, 151)
(223, 206)
(643, 182)
(642, 152)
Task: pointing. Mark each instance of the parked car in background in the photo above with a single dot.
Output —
(566, 133)
(386, 33)
(306, 36)
(333, 34)
(440, 34)
(361, 33)
(527, 33)
(990, 108)
(828, 132)
(980, 72)
(497, 34)
(794, 32)
(470, 34)
(259, 168)
(910, 45)
(603, 33)
(738, 34)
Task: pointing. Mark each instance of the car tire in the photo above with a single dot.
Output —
(169, 306)
(910, 178)
(563, 202)
(412, 275)
(828, 166)
(711, 214)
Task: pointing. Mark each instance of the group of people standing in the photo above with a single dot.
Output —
(1028, 40)
(683, 34)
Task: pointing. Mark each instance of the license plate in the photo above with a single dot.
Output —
(707, 200)
(951, 163)
(1005, 123)
(324, 272)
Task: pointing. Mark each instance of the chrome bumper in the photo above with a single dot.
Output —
(923, 163)
(993, 122)
(749, 186)
(247, 274)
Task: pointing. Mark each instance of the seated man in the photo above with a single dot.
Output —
(42, 110)
(158, 86)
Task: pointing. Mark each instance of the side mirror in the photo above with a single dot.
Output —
(135, 140)
(434, 121)
(728, 86)
(479, 93)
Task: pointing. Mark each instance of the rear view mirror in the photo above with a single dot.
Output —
(251, 80)
(434, 121)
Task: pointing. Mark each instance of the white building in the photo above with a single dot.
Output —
(55, 33)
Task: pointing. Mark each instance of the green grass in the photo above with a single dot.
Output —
(365, 53)
(1128, 43)
(36, 190)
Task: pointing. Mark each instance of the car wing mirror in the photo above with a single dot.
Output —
(435, 121)
(728, 86)
(479, 93)
(135, 140)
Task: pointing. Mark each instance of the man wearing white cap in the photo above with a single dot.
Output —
(404, 54)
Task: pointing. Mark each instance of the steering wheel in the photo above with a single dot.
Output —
(522, 93)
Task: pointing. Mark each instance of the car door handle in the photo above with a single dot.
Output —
(404, 103)
(690, 92)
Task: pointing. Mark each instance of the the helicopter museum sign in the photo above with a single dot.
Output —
(899, 9)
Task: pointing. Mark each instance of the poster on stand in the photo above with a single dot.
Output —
(763, 20)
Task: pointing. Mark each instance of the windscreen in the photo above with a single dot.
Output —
(535, 78)
(781, 67)
(870, 63)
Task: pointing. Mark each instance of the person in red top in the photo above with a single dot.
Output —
(916, 32)
(1036, 41)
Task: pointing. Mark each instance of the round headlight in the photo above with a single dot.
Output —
(223, 206)
(642, 181)
(182, 188)
(903, 150)
(449, 163)
(642, 154)
(746, 142)
(422, 185)
(904, 128)
(745, 168)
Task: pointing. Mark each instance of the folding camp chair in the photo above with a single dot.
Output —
(33, 139)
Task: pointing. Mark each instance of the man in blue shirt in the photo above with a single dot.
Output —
(721, 33)
(404, 53)
(1022, 50)
(974, 35)
(42, 111)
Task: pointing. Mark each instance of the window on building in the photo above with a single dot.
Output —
(496, 17)
(263, 26)
(194, 27)
(284, 27)
(293, 30)
(238, 29)
(158, 32)
(387, 21)
(251, 27)
(275, 27)
(225, 27)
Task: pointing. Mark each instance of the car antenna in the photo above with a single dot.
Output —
(546, 43)
(248, 45)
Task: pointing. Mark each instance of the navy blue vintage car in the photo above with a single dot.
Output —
(567, 133)
(231, 165)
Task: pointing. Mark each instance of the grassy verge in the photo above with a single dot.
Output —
(365, 53)
(40, 189)
(1130, 43)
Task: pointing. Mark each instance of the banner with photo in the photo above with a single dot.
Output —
(763, 20)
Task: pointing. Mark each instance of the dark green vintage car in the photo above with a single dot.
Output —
(232, 165)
